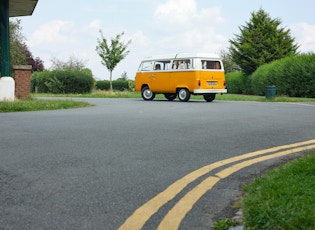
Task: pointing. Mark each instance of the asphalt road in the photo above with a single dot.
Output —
(91, 168)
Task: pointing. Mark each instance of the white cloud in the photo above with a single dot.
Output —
(54, 32)
(177, 11)
(305, 36)
(183, 27)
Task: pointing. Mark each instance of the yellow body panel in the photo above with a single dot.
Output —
(169, 81)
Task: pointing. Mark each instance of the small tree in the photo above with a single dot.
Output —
(112, 53)
(261, 41)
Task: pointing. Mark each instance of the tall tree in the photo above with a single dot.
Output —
(112, 53)
(19, 52)
(261, 41)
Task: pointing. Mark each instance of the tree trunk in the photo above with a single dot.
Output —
(110, 82)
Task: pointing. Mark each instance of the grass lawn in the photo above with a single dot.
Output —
(284, 198)
(36, 105)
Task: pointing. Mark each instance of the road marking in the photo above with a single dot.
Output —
(175, 216)
(143, 214)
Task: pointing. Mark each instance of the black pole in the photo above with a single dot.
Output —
(5, 38)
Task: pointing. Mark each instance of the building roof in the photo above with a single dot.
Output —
(21, 7)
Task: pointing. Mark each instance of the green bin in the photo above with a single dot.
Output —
(270, 91)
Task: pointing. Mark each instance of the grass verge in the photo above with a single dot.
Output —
(36, 105)
(283, 198)
(226, 97)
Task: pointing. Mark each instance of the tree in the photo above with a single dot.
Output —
(111, 54)
(261, 41)
(19, 52)
(17, 44)
(73, 63)
(229, 64)
(37, 64)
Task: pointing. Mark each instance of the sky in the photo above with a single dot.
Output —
(63, 29)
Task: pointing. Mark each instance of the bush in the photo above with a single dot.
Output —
(62, 81)
(293, 76)
(119, 85)
(102, 85)
(235, 82)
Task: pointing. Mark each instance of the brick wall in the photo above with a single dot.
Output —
(22, 78)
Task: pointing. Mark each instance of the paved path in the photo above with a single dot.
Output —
(91, 168)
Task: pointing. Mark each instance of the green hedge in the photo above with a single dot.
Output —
(62, 81)
(293, 76)
(235, 82)
(120, 85)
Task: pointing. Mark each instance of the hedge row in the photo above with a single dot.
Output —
(293, 76)
(62, 81)
(120, 85)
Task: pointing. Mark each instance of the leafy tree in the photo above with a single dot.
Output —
(37, 64)
(229, 64)
(19, 52)
(17, 44)
(261, 41)
(112, 53)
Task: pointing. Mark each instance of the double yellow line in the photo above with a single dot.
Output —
(175, 216)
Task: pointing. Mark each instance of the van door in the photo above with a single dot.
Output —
(213, 75)
(160, 77)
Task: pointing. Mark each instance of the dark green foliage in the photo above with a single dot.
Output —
(62, 81)
(235, 82)
(119, 85)
(102, 85)
(261, 41)
(293, 76)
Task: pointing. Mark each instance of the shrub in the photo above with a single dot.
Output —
(235, 82)
(119, 84)
(293, 76)
(62, 81)
(102, 85)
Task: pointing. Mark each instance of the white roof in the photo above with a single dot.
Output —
(182, 55)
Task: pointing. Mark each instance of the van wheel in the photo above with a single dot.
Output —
(183, 95)
(170, 96)
(147, 94)
(209, 97)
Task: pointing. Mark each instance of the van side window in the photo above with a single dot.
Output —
(181, 64)
(162, 65)
(210, 64)
(145, 66)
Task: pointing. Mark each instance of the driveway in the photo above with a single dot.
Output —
(92, 168)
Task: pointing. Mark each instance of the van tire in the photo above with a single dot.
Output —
(170, 96)
(209, 97)
(147, 94)
(183, 94)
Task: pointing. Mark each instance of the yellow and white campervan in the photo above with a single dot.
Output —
(181, 75)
